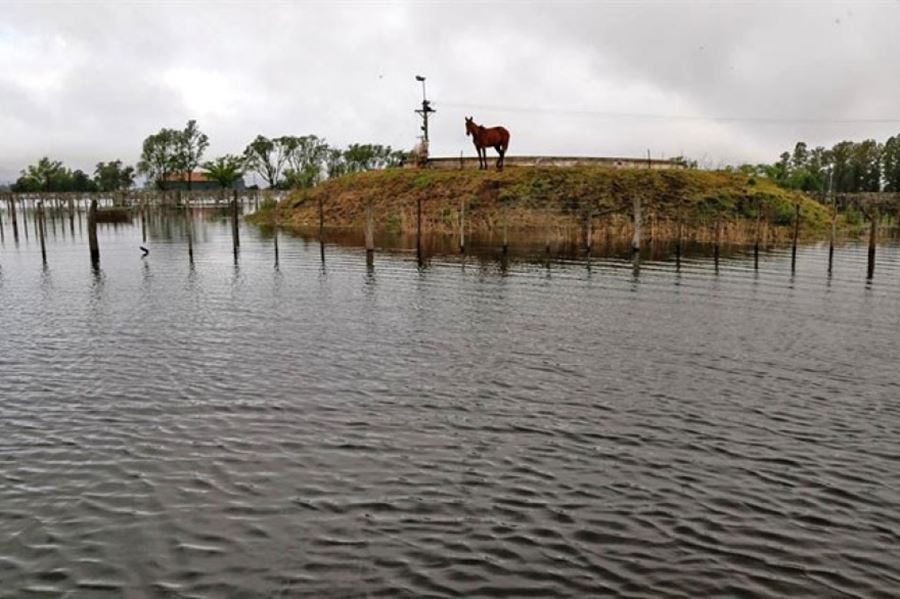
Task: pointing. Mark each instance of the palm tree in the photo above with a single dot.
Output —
(226, 170)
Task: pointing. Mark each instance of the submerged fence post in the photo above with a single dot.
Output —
(40, 216)
(12, 216)
(833, 229)
(462, 225)
(370, 235)
(549, 227)
(717, 240)
(144, 221)
(796, 235)
(275, 239)
(235, 237)
(71, 216)
(419, 227)
(321, 220)
(92, 233)
(189, 222)
(505, 230)
(873, 240)
(636, 239)
(588, 231)
(679, 235)
(756, 234)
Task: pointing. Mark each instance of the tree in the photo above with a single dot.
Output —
(843, 172)
(267, 157)
(305, 157)
(190, 143)
(81, 182)
(335, 165)
(111, 176)
(890, 158)
(225, 170)
(866, 165)
(50, 175)
(364, 157)
(158, 156)
(44, 175)
(800, 156)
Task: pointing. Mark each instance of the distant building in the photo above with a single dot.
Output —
(199, 182)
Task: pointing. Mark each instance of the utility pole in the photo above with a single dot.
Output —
(423, 112)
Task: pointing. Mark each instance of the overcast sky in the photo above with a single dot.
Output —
(721, 82)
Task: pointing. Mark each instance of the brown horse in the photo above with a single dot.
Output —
(484, 137)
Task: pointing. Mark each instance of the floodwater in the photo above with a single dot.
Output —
(465, 428)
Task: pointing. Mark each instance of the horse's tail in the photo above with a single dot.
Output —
(504, 138)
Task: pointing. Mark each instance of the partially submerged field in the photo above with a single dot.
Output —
(556, 199)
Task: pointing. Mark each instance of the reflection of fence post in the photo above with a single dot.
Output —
(370, 235)
(92, 233)
(636, 239)
(796, 235)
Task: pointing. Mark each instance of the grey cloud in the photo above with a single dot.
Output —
(558, 75)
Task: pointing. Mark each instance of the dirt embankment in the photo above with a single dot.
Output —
(555, 199)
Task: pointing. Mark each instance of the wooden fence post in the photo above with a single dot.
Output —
(756, 234)
(92, 233)
(796, 235)
(833, 229)
(505, 230)
(588, 231)
(189, 222)
(636, 239)
(874, 216)
(40, 217)
(235, 236)
(419, 226)
(12, 216)
(679, 235)
(717, 239)
(462, 225)
(370, 235)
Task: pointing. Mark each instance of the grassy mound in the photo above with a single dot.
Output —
(532, 197)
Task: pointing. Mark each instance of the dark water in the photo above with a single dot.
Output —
(463, 429)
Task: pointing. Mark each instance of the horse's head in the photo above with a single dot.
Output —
(471, 127)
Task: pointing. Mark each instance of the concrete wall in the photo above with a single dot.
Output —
(471, 162)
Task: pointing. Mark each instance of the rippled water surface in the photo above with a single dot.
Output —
(466, 428)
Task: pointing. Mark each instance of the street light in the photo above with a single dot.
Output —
(426, 108)
(422, 79)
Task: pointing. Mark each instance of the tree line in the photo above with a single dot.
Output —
(847, 167)
(171, 155)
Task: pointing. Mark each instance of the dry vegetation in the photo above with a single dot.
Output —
(554, 198)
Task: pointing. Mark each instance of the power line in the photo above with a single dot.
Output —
(671, 117)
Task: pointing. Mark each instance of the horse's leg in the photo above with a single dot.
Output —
(501, 152)
(482, 158)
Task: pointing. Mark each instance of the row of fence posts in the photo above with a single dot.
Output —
(637, 221)
(369, 230)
